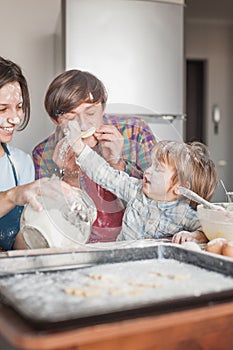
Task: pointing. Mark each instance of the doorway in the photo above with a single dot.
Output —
(195, 101)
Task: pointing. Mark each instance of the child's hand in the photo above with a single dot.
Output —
(73, 136)
(185, 236)
(63, 153)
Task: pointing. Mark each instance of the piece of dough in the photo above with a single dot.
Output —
(87, 133)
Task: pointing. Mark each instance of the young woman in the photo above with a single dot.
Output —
(17, 185)
(16, 166)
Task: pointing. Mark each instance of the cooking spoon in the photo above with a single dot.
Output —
(195, 197)
(228, 194)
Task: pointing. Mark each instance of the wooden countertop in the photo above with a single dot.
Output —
(207, 328)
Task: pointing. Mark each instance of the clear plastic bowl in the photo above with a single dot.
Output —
(63, 223)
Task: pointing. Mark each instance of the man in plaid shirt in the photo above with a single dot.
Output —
(125, 142)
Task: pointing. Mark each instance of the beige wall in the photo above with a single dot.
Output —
(213, 41)
(27, 33)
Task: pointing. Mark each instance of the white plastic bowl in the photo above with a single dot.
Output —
(217, 223)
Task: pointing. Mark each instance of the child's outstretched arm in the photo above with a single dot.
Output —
(185, 236)
(97, 169)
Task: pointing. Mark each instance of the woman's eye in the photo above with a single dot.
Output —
(2, 110)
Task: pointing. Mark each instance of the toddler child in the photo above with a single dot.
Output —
(155, 208)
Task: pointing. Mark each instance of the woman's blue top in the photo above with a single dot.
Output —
(16, 168)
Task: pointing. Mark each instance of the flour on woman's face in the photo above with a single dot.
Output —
(11, 110)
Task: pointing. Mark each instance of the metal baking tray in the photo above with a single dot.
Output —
(109, 284)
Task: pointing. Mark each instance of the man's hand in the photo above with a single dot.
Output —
(111, 142)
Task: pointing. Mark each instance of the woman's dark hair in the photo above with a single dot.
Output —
(72, 88)
(10, 72)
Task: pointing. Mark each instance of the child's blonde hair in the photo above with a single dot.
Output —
(192, 166)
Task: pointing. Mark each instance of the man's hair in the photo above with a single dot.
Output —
(192, 165)
(72, 88)
(10, 72)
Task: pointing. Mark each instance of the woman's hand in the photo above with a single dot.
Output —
(29, 193)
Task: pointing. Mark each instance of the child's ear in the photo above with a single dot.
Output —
(176, 189)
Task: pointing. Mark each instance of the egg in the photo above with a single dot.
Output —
(216, 245)
(228, 249)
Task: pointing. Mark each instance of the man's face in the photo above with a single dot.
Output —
(87, 115)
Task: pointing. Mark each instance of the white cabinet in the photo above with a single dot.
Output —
(134, 47)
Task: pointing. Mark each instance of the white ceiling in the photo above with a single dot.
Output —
(220, 10)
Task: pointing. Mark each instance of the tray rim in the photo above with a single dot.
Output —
(163, 251)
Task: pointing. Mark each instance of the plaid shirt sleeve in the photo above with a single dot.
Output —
(42, 156)
(138, 142)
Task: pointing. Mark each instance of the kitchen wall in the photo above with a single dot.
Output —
(212, 40)
(27, 36)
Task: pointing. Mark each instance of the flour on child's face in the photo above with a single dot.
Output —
(157, 182)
